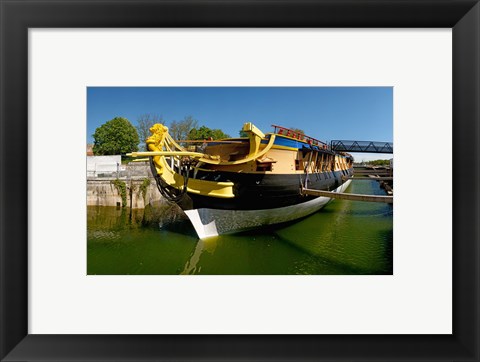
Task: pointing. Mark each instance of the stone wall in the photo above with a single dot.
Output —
(103, 192)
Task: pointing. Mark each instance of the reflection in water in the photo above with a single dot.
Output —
(345, 237)
(191, 265)
(354, 237)
(208, 245)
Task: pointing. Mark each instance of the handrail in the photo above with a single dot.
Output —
(297, 135)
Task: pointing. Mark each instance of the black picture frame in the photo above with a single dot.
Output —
(18, 16)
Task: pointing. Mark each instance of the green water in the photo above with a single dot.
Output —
(345, 237)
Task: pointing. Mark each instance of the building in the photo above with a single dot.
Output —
(89, 149)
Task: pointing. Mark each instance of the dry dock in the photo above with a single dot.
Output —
(384, 175)
(347, 196)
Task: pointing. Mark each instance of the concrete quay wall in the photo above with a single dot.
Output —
(104, 192)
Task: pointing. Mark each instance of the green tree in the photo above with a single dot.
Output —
(205, 133)
(379, 162)
(114, 137)
(180, 130)
(242, 133)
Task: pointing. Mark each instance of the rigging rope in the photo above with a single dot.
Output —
(171, 193)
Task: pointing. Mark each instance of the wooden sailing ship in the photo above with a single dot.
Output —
(237, 184)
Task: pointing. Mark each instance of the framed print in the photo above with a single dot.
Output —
(55, 307)
(122, 249)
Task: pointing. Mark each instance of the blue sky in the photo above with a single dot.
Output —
(326, 113)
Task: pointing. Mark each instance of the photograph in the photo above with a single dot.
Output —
(239, 180)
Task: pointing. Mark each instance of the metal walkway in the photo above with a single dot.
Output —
(362, 146)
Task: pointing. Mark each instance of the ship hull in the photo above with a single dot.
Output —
(211, 222)
(245, 183)
(268, 191)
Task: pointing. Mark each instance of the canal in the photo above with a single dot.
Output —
(345, 237)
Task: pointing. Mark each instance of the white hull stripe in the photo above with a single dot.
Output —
(213, 222)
